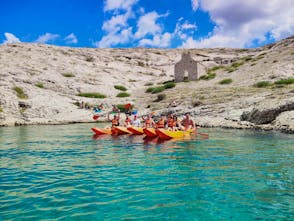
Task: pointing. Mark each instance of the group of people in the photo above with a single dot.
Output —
(168, 122)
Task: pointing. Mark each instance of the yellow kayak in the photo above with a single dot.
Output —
(136, 130)
(120, 131)
(168, 134)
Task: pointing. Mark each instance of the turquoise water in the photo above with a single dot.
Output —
(63, 173)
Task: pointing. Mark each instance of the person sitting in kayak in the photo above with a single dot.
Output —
(136, 121)
(161, 122)
(114, 120)
(149, 122)
(188, 123)
(173, 123)
(170, 121)
(127, 121)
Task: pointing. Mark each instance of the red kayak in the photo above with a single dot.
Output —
(150, 132)
(136, 130)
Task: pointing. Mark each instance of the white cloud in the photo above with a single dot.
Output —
(71, 39)
(10, 38)
(239, 23)
(124, 36)
(147, 25)
(195, 4)
(115, 23)
(48, 37)
(160, 40)
(118, 4)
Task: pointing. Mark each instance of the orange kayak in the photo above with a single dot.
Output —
(168, 134)
(150, 132)
(100, 131)
(136, 130)
(120, 131)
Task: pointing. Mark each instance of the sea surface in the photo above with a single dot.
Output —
(64, 173)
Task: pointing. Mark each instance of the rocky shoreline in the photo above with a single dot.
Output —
(42, 84)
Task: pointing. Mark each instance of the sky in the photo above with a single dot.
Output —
(147, 23)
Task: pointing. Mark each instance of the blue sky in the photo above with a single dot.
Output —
(146, 23)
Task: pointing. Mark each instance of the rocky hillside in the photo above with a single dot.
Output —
(40, 84)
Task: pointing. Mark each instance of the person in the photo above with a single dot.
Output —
(115, 109)
(176, 123)
(114, 120)
(188, 123)
(149, 122)
(127, 121)
(170, 121)
(161, 122)
(136, 121)
(173, 104)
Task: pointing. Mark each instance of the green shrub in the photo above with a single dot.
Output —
(247, 58)
(120, 87)
(262, 84)
(155, 90)
(160, 97)
(68, 75)
(237, 64)
(39, 84)
(285, 81)
(20, 93)
(158, 89)
(123, 94)
(1, 109)
(215, 68)
(231, 69)
(226, 81)
(92, 95)
(208, 76)
(169, 85)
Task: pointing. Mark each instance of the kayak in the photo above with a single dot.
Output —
(100, 131)
(150, 132)
(120, 131)
(168, 134)
(136, 130)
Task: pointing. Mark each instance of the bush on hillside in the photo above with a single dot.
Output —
(20, 93)
(123, 94)
(262, 84)
(92, 95)
(226, 81)
(285, 81)
(120, 87)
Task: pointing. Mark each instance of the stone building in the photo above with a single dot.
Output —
(186, 64)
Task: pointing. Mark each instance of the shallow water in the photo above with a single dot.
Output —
(63, 173)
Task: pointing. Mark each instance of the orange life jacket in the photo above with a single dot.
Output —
(128, 121)
(148, 122)
(160, 124)
(170, 122)
(115, 122)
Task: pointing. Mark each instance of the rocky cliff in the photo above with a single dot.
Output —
(238, 88)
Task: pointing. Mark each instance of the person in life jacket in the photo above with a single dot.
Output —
(188, 123)
(149, 122)
(136, 121)
(170, 121)
(161, 122)
(127, 121)
(114, 120)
